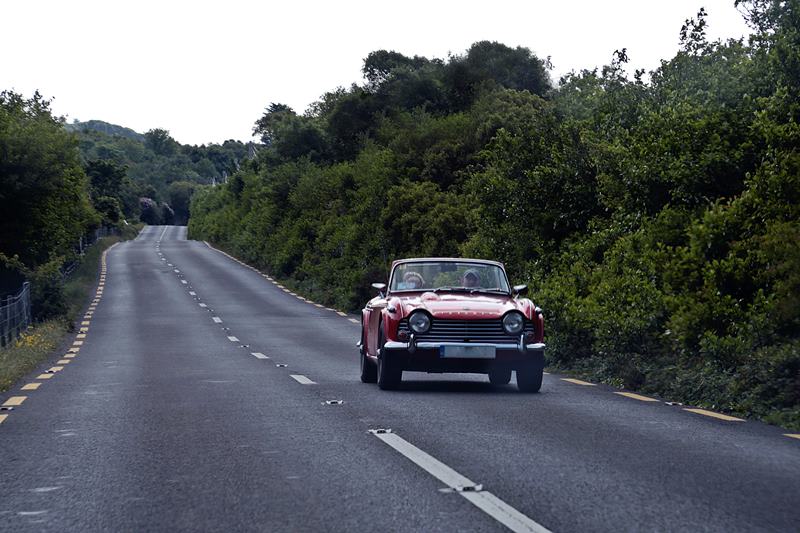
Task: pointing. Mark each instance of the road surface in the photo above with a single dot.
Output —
(202, 396)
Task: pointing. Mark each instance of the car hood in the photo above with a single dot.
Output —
(461, 305)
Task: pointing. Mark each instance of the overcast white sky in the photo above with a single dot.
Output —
(206, 70)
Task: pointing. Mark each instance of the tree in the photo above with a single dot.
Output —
(44, 193)
(379, 66)
(489, 64)
(105, 177)
(269, 124)
(289, 136)
(180, 196)
(160, 142)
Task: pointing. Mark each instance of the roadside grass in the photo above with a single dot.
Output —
(41, 339)
(29, 350)
(78, 288)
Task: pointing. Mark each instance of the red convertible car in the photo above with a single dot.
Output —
(451, 315)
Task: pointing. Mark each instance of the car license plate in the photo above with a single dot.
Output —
(468, 352)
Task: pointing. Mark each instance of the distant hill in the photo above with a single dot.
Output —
(153, 161)
(105, 127)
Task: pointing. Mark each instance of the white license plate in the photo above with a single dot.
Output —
(468, 352)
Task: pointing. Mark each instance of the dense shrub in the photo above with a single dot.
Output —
(656, 222)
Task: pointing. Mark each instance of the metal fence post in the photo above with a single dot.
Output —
(26, 302)
(9, 324)
(3, 325)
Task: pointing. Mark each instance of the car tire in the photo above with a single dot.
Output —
(369, 372)
(529, 376)
(500, 376)
(389, 374)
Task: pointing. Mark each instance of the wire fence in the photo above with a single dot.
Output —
(15, 310)
(15, 315)
(80, 248)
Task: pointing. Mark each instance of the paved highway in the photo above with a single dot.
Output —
(201, 396)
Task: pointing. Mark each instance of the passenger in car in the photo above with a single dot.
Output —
(412, 280)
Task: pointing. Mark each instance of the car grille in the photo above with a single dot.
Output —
(444, 330)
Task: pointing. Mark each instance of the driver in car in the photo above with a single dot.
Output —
(413, 280)
(471, 279)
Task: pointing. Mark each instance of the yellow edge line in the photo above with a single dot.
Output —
(712, 414)
(15, 401)
(636, 396)
(792, 435)
(31, 386)
(3, 417)
(578, 382)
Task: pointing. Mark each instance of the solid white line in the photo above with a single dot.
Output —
(302, 380)
(216, 319)
(259, 355)
(430, 464)
(483, 500)
(232, 339)
(502, 512)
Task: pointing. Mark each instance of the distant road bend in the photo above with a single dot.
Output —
(202, 396)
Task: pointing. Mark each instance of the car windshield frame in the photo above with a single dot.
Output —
(458, 264)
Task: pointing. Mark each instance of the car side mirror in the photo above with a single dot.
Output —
(381, 288)
(519, 290)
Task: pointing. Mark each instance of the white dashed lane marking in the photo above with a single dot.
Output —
(301, 379)
(473, 492)
(232, 339)
(259, 355)
(216, 319)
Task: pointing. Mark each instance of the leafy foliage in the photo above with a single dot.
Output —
(43, 188)
(129, 166)
(656, 221)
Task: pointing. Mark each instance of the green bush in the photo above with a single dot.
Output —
(657, 223)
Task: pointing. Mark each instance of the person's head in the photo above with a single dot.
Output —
(413, 280)
(470, 278)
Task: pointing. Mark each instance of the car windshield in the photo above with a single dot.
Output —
(448, 276)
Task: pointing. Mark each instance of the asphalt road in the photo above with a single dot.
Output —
(174, 415)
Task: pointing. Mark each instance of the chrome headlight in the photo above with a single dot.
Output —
(419, 322)
(513, 323)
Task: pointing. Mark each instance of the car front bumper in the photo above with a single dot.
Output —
(428, 356)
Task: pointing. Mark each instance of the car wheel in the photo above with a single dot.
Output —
(500, 376)
(369, 372)
(389, 374)
(529, 376)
